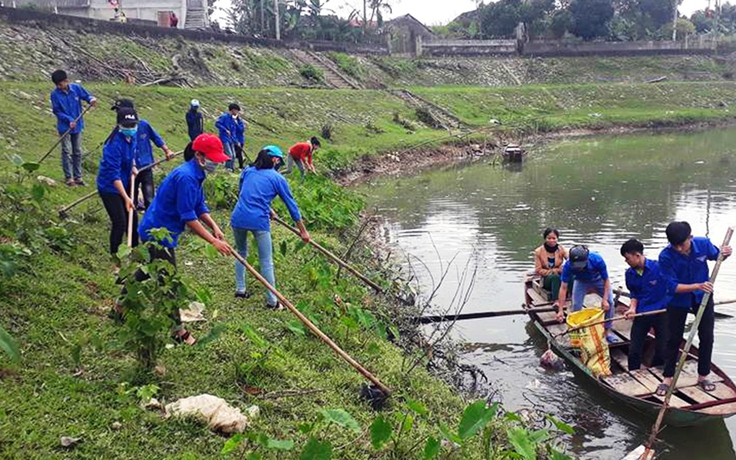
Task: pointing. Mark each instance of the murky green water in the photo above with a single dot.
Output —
(597, 191)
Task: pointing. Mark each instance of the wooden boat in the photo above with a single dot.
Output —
(690, 404)
(513, 153)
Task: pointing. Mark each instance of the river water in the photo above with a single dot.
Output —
(598, 191)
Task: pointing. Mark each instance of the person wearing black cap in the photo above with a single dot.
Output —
(113, 179)
(232, 133)
(66, 103)
(144, 155)
(588, 271)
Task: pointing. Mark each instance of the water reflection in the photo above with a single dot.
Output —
(599, 192)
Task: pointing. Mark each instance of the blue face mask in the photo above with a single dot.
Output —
(209, 166)
(129, 132)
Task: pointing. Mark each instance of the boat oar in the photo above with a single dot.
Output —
(63, 136)
(719, 314)
(64, 212)
(648, 452)
(332, 256)
(363, 371)
(482, 314)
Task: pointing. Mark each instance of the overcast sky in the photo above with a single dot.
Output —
(434, 12)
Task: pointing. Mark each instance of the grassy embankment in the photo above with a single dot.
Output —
(59, 297)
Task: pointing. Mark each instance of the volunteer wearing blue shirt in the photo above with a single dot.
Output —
(66, 103)
(648, 289)
(684, 264)
(195, 120)
(180, 204)
(144, 155)
(588, 271)
(259, 185)
(232, 132)
(113, 178)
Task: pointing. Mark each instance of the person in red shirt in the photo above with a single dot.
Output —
(301, 155)
(173, 21)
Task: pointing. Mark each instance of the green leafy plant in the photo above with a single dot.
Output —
(312, 74)
(9, 346)
(248, 445)
(255, 370)
(348, 64)
(149, 304)
(221, 190)
(325, 205)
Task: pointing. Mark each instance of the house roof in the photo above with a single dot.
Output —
(409, 18)
(57, 3)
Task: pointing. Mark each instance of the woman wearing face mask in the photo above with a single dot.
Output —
(259, 185)
(548, 261)
(180, 204)
(113, 178)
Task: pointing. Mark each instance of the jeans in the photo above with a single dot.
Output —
(229, 151)
(115, 207)
(71, 156)
(144, 180)
(291, 161)
(676, 318)
(265, 259)
(581, 288)
(639, 331)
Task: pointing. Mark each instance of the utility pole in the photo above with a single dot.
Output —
(278, 23)
(263, 18)
(674, 23)
(365, 16)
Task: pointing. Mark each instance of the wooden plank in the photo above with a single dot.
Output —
(558, 328)
(619, 357)
(646, 378)
(536, 298)
(722, 391)
(688, 376)
(626, 384)
(723, 409)
(696, 394)
(539, 289)
(550, 317)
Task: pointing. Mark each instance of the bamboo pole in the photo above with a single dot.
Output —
(332, 256)
(364, 372)
(131, 212)
(61, 138)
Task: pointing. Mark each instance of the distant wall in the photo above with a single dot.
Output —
(559, 48)
(35, 18)
(469, 47)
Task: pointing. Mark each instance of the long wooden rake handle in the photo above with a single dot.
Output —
(131, 213)
(332, 256)
(618, 318)
(61, 138)
(363, 371)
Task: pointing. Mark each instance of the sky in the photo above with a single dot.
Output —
(436, 12)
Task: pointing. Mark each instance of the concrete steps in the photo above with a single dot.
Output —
(333, 77)
(441, 116)
(196, 19)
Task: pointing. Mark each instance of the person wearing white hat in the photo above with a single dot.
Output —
(195, 121)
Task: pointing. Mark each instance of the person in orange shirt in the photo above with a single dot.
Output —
(301, 155)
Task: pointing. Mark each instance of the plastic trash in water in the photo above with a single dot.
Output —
(550, 360)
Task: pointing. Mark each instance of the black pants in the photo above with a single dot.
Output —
(115, 207)
(676, 318)
(144, 180)
(239, 154)
(169, 255)
(639, 331)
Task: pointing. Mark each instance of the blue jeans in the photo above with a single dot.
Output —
(581, 288)
(229, 151)
(71, 156)
(265, 259)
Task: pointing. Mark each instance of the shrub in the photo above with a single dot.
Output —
(349, 65)
(312, 73)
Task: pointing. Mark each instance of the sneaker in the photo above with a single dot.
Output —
(70, 182)
(80, 182)
(612, 338)
(242, 295)
(277, 307)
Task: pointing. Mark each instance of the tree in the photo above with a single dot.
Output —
(560, 23)
(500, 19)
(590, 18)
(702, 21)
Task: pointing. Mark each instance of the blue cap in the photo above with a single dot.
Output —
(274, 151)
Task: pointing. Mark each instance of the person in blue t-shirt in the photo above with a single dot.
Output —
(232, 133)
(145, 135)
(180, 204)
(684, 263)
(66, 103)
(589, 273)
(113, 179)
(259, 185)
(648, 289)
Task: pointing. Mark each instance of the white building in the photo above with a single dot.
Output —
(192, 14)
